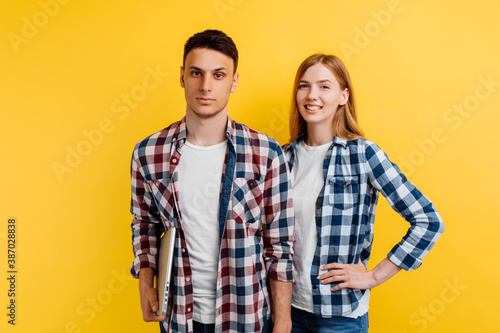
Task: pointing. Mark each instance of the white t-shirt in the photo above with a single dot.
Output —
(307, 179)
(200, 173)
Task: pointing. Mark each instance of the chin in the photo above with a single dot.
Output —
(206, 114)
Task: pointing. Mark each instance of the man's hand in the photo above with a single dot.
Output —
(356, 276)
(282, 299)
(149, 298)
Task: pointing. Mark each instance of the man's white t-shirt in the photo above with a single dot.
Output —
(200, 174)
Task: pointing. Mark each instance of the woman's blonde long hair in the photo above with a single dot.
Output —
(345, 124)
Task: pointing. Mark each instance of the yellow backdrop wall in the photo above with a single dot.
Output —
(82, 81)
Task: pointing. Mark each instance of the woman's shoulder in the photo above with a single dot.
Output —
(363, 143)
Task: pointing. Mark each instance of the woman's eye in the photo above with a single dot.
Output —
(302, 86)
(325, 87)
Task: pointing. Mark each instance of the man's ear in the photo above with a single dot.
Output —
(345, 97)
(235, 82)
(182, 77)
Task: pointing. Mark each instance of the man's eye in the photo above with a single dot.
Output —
(196, 73)
(219, 75)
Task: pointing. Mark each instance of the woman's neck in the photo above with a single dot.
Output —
(319, 134)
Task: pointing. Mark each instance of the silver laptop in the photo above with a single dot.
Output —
(165, 269)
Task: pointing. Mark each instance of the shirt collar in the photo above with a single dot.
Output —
(230, 129)
(337, 141)
(180, 133)
(340, 142)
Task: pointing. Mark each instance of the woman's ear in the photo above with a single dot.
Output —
(345, 97)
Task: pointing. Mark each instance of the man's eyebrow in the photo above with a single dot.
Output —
(197, 69)
(218, 69)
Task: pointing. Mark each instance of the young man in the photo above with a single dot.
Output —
(227, 188)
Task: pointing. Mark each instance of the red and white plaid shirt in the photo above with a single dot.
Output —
(256, 221)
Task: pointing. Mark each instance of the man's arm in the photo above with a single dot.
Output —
(145, 232)
(277, 233)
(149, 297)
(282, 298)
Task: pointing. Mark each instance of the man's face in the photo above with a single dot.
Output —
(207, 79)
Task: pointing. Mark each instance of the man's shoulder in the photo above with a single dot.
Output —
(160, 138)
(247, 135)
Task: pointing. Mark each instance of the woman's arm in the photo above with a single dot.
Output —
(426, 226)
(356, 276)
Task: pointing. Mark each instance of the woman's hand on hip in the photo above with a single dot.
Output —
(355, 276)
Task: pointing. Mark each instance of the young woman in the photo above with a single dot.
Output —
(337, 176)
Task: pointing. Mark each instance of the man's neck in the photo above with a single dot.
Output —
(206, 131)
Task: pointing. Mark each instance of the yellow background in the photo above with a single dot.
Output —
(67, 67)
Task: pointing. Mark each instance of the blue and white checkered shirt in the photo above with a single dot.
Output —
(354, 173)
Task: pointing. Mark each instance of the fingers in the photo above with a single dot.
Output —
(346, 275)
(334, 278)
(153, 300)
(149, 315)
(149, 305)
(333, 265)
(340, 286)
(335, 270)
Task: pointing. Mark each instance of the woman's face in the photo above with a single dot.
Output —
(319, 95)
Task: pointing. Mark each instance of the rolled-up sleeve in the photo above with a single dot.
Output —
(146, 221)
(426, 226)
(278, 219)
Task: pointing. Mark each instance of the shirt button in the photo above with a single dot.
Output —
(315, 259)
(188, 279)
(318, 206)
(174, 160)
(188, 309)
(315, 287)
(174, 139)
(344, 182)
(317, 235)
(183, 250)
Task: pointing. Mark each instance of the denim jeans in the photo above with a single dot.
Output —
(210, 328)
(306, 322)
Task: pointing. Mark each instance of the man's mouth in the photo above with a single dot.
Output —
(204, 100)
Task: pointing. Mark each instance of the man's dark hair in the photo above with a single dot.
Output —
(212, 39)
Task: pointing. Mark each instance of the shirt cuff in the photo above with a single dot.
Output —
(403, 259)
(280, 270)
(142, 261)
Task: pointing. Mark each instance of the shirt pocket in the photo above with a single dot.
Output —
(161, 190)
(247, 200)
(344, 191)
